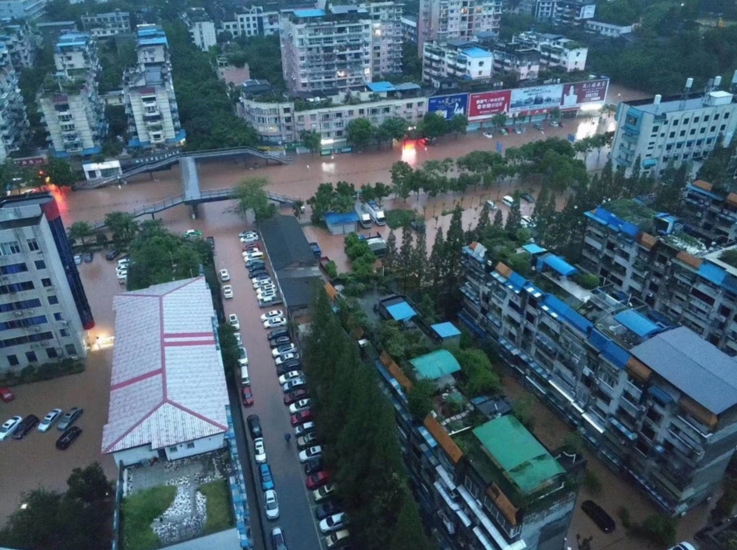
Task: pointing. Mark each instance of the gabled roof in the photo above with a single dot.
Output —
(435, 364)
(168, 384)
(285, 242)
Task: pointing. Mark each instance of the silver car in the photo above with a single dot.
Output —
(48, 420)
(70, 418)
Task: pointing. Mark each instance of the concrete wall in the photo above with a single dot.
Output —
(196, 447)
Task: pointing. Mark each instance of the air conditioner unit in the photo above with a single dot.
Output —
(19, 314)
(36, 329)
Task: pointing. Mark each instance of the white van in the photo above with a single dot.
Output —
(508, 200)
(491, 205)
(245, 379)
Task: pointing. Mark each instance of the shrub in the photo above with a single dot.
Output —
(587, 280)
(624, 515)
(592, 483)
(331, 270)
(659, 529)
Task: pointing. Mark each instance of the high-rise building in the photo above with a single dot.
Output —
(658, 403)
(150, 102)
(386, 37)
(73, 112)
(22, 10)
(104, 25)
(201, 28)
(252, 21)
(664, 131)
(18, 40)
(456, 60)
(13, 118)
(326, 50)
(556, 51)
(444, 20)
(43, 307)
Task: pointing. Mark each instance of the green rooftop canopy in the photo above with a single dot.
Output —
(435, 365)
(522, 458)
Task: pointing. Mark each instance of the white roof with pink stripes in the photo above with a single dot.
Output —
(168, 384)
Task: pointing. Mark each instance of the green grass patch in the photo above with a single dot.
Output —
(139, 510)
(399, 218)
(219, 510)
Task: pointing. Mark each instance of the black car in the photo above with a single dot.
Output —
(281, 341)
(256, 272)
(28, 423)
(111, 255)
(603, 520)
(254, 425)
(211, 242)
(527, 198)
(294, 364)
(327, 509)
(87, 257)
(313, 466)
(281, 370)
(278, 333)
(250, 264)
(418, 225)
(68, 437)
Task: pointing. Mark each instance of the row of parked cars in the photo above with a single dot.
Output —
(266, 290)
(18, 427)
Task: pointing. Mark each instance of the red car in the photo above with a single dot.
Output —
(251, 246)
(295, 395)
(6, 395)
(301, 416)
(247, 397)
(315, 481)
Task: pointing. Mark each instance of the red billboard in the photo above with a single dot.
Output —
(488, 104)
(576, 94)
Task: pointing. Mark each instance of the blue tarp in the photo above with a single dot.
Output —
(534, 249)
(712, 273)
(615, 355)
(446, 330)
(660, 395)
(335, 218)
(559, 265)
(598, 340)
(566, 313)
(604, 216)
(637, 323)
(401, 311)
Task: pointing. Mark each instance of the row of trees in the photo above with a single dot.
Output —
(361, 447)
(361, 132)
(14, 177)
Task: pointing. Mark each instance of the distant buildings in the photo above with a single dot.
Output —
(409, 28)
(201, 28)
(607, 29)
(19, 42)
(252, 21)
(150, 102)
(456, 60)
(43, 307)
(386, 37)
(556, 51)
(13, 120)
(676, 129)
(22, 10)
(73, 112)
(559, 12)
(105, 25)
(445, 20)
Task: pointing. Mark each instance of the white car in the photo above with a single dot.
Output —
(234, 322)
(49, 420)
(224, 275)
(300, 405)
(304, 428)
(238, 338)
(227, 292)
(286, 357)
(124, 262)
(252, 255)
(291, 375)
(259, 450)
(78, 259)
(265, 289)
(293, 384)
(258, 283)
(312, 452)
(333, 523)
(284, 348)
(271, 314)
(271, 504)
(266, 294)
(7, 429)
(189, 233)
(275, 322)
(242, 356)
(488, 135)
(243, 234)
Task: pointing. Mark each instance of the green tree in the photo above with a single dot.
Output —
(408, 531)
(89, 484)
(499, 120)
(404, 269)
(250, 194)
(484, 222)
(359, 132)
(457, 124)
(514, 217)
(438, 262)
(228, 348)
(311, 140)
(418, 262)
(668, 194)
(433, 125)
(394, 128)
(367, 193)
(522, 410)
(480, 377)
(391, 260)
(122, 226)
(403, 176)
(297, 208)
(58, 172)
(498, 218)
(419, 399)
(381, 190)
(80, 231)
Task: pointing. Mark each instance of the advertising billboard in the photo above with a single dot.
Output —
(580, 93)
(488, 104)
(536, 100)
(448, 105)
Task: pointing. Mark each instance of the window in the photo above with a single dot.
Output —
(672, 135)
(31, 356)
(46, 282)
(53, 300)
(13, 360)
(40, 264)
(70, 349)
(683, 133)
(64, 333)
(51, 353)
(32, 245)
(10, 247)
(58, 316)
(173, 449)
(190, 445)
(13, 268)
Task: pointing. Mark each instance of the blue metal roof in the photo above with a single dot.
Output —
(446, 330)
(476, 53)
(401, 311)
(559, 265)
(380, 86)
(309, 13)
(534, 249)
(616, 355)
(637, 323)
(567, 313)
(659, 394)
(337, 218)
(712, 273)
(517, 281)
(155, 41)
(704, 192)
(605, 217)
(598, 340)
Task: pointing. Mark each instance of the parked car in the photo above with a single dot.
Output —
(418, 225)
(238, 338)
(266, 294)
(26, 425)
(324, 492)
(251, 246)
(259, 450)
(327, 509)
(227, 292)
(277, 539)
(257, 278)
(49, 420)
(301, 416)
(295, 396)
(317, 480)
(254, 264)
(111, 255)
(304, 429)
(308, 439)
(517, 130)
(68, 437)
(504, 132)
(314, 465)
(312, 452)
(9, 426)
(256, 271)
(6, 395)
(87, 257)
(291, 375)
(263, 282)
(271, 505)
(242, 356)
(538, 126)
(69, 418)
(274, 313)
(300, 405)
(603, 520)
(293, 364)
(286, 357)
(527, 198)
(281, 341)
(211, 242)
(488, 135)
(248, 237)
(78, 259)
(283, 349)
(293, 384)
(275, 322)
(283, 369)
(333, 523)
(247, 397)
(278, 333)
(254, 426)
(267, 480)
(337, 539)
(224, 275)
(192, 234)
(234, 322)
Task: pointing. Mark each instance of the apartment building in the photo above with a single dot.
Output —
(409, 28)
(456, 60)
(386, 37)
(283, 122)
(44, 311)
(522, 60)
(326, 50)
(201, 28)
(14, 127)
(608, 29)
(658, 403)
(105, 25)
(72, 110)
(662, 131)
(559, 12)
(150, 102)
(556, 51)
(19, 43)
(22, 10)
(252, 21)
(444, 20)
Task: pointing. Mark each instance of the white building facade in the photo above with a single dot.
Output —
(252, 21)
(386, 37)
(43, 307)
(105, 25)
(20, 44)
(465, 62)
(23, 10)
(607, 29)
(556, 51)
(201, 28)
(13, 119)
(445, 20)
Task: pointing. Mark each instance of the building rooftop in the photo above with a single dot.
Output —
(309, 13)
(692, 365)
(435, 364)
(523, 460)
(401, 311)
(167, 384)
(445, 330)
(676, 104)
(476, 53)
(286, 243)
